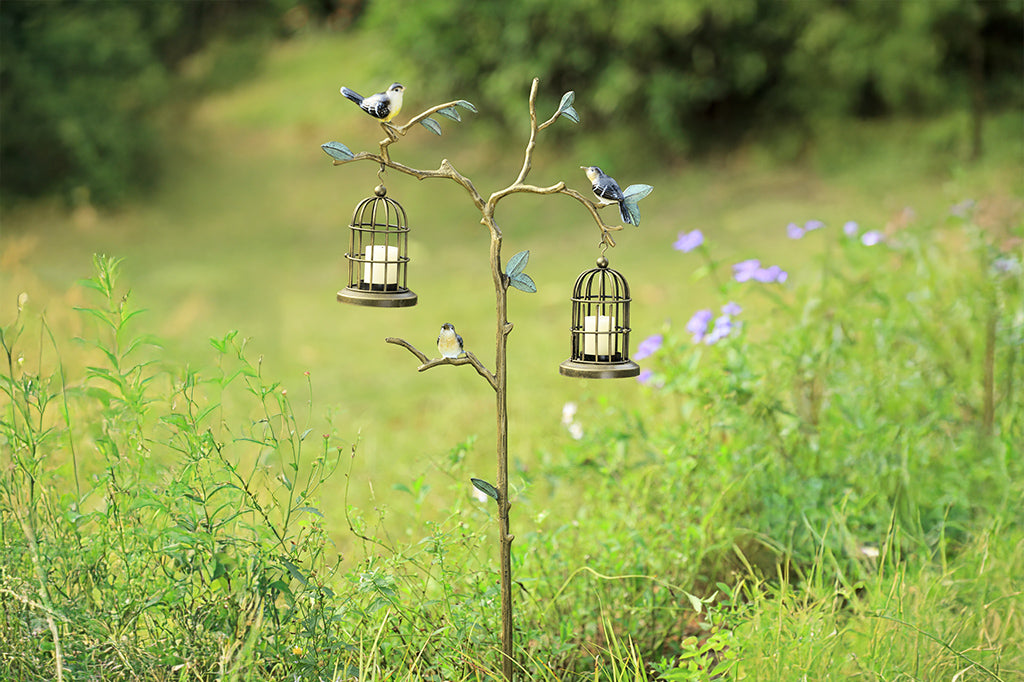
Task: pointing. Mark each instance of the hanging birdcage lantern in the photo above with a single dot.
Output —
(378, 254)
(600, 326)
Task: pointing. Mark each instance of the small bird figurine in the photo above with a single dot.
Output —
(606, 188)
(449, 344)
(383, 105)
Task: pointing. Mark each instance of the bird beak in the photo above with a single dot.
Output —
(584, 167)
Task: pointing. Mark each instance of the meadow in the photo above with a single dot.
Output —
(212, 469)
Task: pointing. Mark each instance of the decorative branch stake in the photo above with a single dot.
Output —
(513, 276)
(426, 363)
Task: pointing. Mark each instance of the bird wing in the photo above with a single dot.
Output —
(609, 189)
(377, 105)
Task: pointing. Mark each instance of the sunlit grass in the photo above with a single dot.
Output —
(249, 230)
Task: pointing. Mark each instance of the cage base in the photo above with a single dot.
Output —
(400, 298)
(599, 370)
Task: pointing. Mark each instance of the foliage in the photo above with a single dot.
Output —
(86, 86)
(695, 72)
(825, 488)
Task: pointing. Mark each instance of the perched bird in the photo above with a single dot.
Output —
(449, 344)
(383, 105)
(606, 188)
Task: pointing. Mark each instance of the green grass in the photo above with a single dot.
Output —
(851, 414)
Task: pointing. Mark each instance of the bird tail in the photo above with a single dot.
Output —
(352, 95)
(626, 214)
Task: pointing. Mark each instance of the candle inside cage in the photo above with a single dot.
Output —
(598, 340)
(381, 265)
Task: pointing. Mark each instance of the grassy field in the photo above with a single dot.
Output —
(820, 574)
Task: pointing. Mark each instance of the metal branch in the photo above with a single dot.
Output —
(445, 170)
(520, 182)
(426, 363)
(393, 131)
(401, 130)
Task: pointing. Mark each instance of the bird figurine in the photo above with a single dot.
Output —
(605, 187)
(449, 344)
(382, 105)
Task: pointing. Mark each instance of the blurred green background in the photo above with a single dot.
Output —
(184, 137)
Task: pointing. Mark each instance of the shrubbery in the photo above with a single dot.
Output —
(682, 75)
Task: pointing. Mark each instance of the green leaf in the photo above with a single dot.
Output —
(466, 105)
(295, 572)
(523, 282)
(637, 192)
(337, 151)
(517, 263)
(431, 125)
(695, 602)
(571, 114)
(450, 112)
(311, 510)
(485, 487)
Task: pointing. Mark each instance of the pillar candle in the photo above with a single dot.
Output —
(375, 270)
(597, 343)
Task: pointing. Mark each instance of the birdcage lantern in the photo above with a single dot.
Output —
(600, 326)
(378, 254)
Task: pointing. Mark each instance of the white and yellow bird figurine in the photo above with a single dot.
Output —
(449, 343)
(382, 105)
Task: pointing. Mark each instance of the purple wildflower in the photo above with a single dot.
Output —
(851, 228)
(744, 270)
(871, 238)
(698, 324)
(648, 346)
(645, 376)
(688, 241)
(794, 231)
(723, 325)
(811, 225)
(732, 309)
(770, 274)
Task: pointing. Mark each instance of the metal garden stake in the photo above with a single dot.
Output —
(377, 261)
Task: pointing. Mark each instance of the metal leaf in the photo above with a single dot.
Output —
(466, 105)
(517, 263)
(450, 112)
(337, 151)
(571, 114)
(637, 192)
(485, 487)
(431, 125)
(523, 282)
(567, 100)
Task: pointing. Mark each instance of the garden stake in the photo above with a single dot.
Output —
(513, 275)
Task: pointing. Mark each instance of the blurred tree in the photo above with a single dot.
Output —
(701, 72)
(82, 82)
